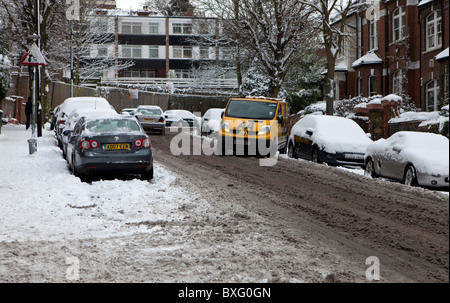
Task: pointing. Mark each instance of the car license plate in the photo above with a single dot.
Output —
(122, 146)
(354, 156)
(149, 119)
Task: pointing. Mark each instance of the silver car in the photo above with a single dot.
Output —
(151, 118)
(414, 158)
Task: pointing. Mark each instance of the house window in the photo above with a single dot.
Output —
(228, 53)
(432, 95)
(132, 74)
(132, 51)
(372, 86)
(142, 73)
(399, 23)
(204, 53)
(145, 73)
(182, 52)
(373, 35)
(182, 73)
(434, 29)
(153, 28)
(398, 86)
(182, 28)
(102, 51)
(131, 28)
(153, 52)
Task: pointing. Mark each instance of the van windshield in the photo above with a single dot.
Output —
(251, 109)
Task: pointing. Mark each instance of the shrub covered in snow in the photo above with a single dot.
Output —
(255, 82)
(5, 76)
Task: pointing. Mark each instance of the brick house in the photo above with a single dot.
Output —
(397, 47)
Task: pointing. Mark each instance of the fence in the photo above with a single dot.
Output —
(119, 98)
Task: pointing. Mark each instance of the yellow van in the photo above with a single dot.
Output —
(254, 126)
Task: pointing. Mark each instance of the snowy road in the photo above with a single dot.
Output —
(211, 219)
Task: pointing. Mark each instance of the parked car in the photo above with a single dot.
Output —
(113, 145)
(151, 118)
(180, 117)
(211, 121)
(73, 118)
(53, 116)
(128, 111)
(414, 158)
(74, 103)
(328, 139)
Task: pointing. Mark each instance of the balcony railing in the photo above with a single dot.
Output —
(178, 83)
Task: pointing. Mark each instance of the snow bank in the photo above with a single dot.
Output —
(41, 200)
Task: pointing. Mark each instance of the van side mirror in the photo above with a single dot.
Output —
(280, 119)
(221, 115)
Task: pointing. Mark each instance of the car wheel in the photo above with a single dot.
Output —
(284, 149)
(369, 170)
(291, 151)
(315, 155)
(147, 176)
(410, 177)
(163, 131)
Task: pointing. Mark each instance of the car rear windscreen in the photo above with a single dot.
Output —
(112, 125)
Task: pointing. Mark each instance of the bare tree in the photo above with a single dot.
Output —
(330, 11)
(92, 44)
(271, 31)
(22, 22)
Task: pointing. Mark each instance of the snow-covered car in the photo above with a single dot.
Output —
(151, 117)
(128, 111)
(110, 145)
(211, 121)
(73, 118)
(76, 103)
(180, 117)
(328, 139)
(414, 158)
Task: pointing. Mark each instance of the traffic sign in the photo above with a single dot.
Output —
(33, 57)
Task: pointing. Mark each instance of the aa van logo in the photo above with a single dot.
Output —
(373, 10)
(73, 12)
(244, 140)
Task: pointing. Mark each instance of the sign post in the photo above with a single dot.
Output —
(35, 59)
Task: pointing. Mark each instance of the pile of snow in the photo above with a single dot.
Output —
(426, 118)
(41, 200)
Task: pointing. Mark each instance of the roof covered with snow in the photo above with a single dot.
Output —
(423, 2)
(369, 58)
(442, 55)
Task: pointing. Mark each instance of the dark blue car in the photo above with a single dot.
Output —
(112, 145)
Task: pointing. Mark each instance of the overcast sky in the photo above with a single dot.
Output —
(126, 4)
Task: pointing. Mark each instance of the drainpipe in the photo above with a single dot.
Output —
(386, 50)
(420, 61)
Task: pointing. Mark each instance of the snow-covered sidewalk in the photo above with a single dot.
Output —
(41, 200)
